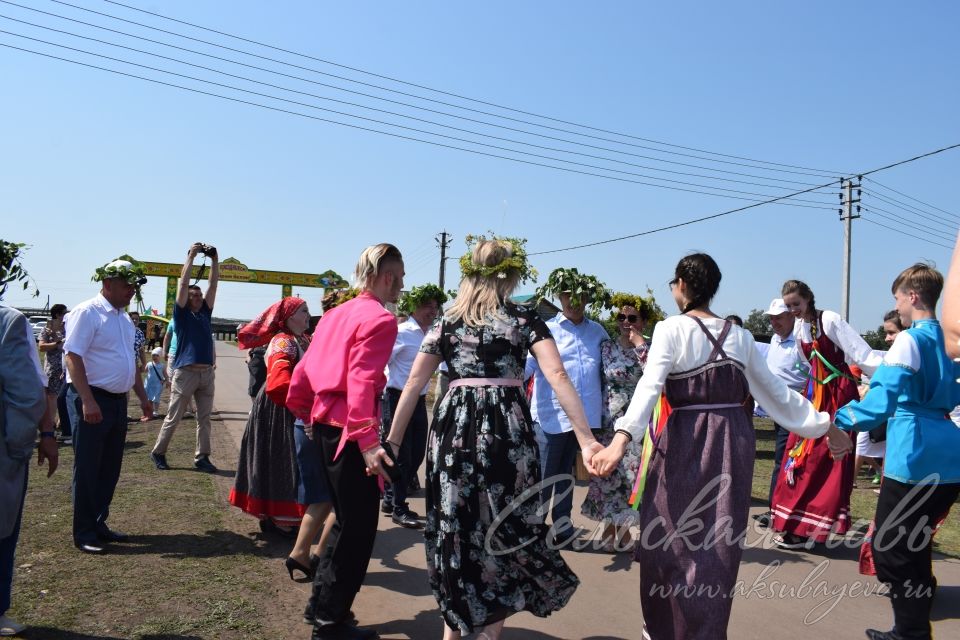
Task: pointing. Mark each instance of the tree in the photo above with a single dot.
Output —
(758, 323)
(876, 339)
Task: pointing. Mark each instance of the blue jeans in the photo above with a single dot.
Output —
(67, 413)
(557, 454)
(7, 548)
(96, 464)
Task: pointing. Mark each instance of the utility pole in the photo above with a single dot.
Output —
(847, 216)
(443, 240)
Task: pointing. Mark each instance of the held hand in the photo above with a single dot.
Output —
(838, 442)
(195, 249)
(48, 451)
(606, 461)
(308, 430)
(376, 459)
(587, 453)
(91, 412)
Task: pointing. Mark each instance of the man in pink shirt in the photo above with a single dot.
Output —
(336, 387)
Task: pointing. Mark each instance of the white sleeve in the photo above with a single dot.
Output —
(660, 361)
(788, 408)
(850, 342)
(904, 352)
(80, 331)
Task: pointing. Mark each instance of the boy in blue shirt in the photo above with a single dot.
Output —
(913, 392)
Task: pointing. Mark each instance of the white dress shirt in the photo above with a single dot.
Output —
(405, 350)
(102, 336)
(679, 344)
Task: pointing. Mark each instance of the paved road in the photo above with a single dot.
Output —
(818, 594)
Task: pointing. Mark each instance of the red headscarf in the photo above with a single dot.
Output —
(259, 331)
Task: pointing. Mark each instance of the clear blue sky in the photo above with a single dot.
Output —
(96, 165)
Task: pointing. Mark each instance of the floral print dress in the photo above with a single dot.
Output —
(53, 360)
(487, 555)
(608, 499)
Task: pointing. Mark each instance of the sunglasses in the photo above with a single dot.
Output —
(630, 318)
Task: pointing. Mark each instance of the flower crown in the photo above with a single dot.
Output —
(583, 289)
(125, 268)
(517, 262)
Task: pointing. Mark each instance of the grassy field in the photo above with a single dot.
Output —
(863, 502)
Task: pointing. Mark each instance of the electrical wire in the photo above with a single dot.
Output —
(405, 137)
(914, 199)
(405, 104)
(880, 224)
(393, 113)
(913, 209)
(744, 208)
(912, 217)
(806, 171)
(455, 95)
(883, 213)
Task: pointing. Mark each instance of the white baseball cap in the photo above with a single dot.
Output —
(777, 306)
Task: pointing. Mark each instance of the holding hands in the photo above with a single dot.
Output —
(605, 461)
(839, 442)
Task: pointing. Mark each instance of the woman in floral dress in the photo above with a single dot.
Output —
(487, 554)
(51, 344)
(622, 361)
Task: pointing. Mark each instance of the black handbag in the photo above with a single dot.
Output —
(879, 434)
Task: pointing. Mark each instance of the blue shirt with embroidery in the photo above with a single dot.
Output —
(914, 399)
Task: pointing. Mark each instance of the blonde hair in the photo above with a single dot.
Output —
(922, 278)
(481, 298)
(372, 261)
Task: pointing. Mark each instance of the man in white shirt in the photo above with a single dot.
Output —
(101, 369)
(785, 362)
(410, 334)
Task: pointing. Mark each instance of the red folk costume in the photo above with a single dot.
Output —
(340, 380)
(267, 472)
(812, 495)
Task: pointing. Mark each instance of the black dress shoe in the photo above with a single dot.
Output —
(203, 464)
(342, 631)
(90, 547)
(386, 506)
(873, 634)
(109, 535)
(308, 617)
(406, 519)
(160, 461)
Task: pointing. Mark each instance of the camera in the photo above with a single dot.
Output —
(208, 250)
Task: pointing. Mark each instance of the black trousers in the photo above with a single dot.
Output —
(412, 449)
(906, 516)
(356, 498)
(98, 455)
(781, 435)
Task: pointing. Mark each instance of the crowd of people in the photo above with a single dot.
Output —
(339, 429)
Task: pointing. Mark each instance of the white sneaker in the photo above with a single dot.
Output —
(10, 628)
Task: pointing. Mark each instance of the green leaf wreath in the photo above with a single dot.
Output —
(518, 261)
(583, 289)
(419, 296)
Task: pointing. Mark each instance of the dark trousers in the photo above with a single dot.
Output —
(98, 454)
(64, 413)
(8, 547)
(781, 435)
(412, 449)
(557, 454)
(355, 500)
(902, 542)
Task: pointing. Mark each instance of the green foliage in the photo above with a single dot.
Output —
(758, 323)
(125, 268)
(11, 269)
(647, 306)
(876, 339)
(517, 262)
(584, 289)
(419, 296)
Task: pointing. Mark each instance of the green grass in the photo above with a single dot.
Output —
(185, 574)
(863, 501)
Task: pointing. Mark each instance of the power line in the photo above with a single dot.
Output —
(434, 123)
(806, 171)
(914, 199)
(818, 204)
(405, 104)
(913, 216)
(908, 207)
(880, 224)
(883, 213)
(454, 95)
(744, 208)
